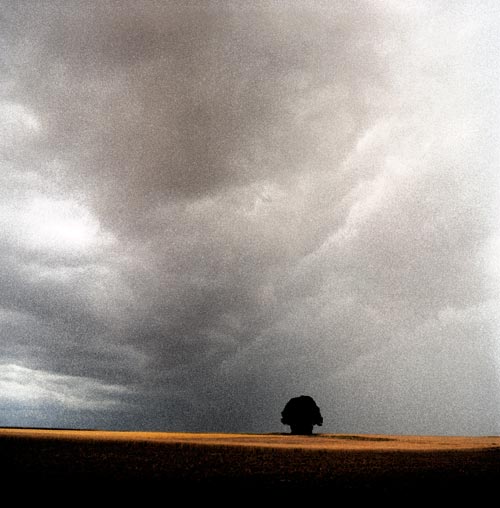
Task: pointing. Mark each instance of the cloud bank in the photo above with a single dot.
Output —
(212, 207)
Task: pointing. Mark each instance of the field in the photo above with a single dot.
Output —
(250, 465)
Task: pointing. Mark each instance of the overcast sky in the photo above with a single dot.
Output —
(210, 207)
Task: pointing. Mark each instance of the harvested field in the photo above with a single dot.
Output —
(255, 464)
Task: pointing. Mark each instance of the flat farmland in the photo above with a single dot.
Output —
(251, 464)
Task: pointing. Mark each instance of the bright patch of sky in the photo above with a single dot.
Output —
(56, 226)
(22, 385)
(16, 122)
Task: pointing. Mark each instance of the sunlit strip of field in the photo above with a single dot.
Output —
(129, 463)
(317, 441)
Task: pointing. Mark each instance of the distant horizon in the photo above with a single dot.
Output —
(283, 433)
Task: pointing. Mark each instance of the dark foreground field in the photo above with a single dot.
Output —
(395, 467)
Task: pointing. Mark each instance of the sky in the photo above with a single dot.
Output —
(210, 207)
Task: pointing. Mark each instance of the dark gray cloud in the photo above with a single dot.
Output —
(158, 101)
(210, 207)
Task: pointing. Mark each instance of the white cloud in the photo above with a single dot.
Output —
(48, 225)
(16, 122)
(34, 388)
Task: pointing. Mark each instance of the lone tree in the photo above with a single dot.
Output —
(302, 414)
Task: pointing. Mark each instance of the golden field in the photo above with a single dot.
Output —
(252, 464)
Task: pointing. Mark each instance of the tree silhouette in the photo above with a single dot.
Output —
(301, 414)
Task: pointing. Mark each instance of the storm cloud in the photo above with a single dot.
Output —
(207, 208)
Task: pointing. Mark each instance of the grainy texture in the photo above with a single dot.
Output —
(195, 464)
